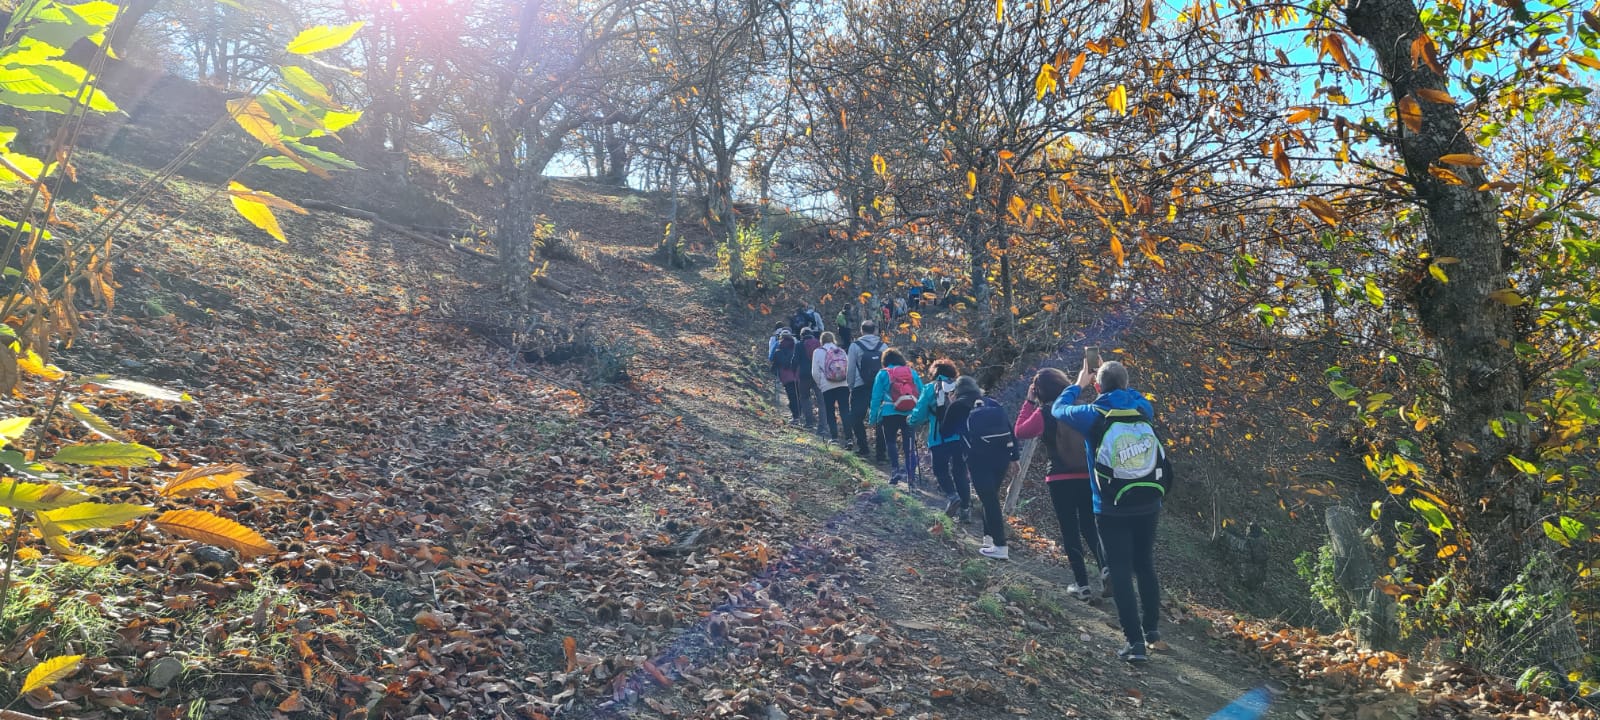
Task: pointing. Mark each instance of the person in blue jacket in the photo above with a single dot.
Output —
(1127, 533)
(889, 420)
(944, 440)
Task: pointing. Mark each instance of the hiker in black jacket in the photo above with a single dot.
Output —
(991, 453)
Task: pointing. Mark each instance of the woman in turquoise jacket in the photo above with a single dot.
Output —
(944, 442)
(890, 421)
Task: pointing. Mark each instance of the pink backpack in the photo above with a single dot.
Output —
(902, 388)
(835, 365)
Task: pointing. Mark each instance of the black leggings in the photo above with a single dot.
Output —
(836, 409)
(1074, 504)
(810, 401)
(986, 482)
(860, 397)
(950, 467)
(793, 391)
(1130, 545)
(897, 437)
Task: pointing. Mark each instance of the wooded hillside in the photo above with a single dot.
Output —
(400, 359)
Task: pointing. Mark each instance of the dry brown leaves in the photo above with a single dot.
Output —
(1353, 683)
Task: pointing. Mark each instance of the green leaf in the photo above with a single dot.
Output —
(95, 422)
(1523, 466)
(1374, 294)
(1438, 522)
(1376, 400)
(1344, 390)
(323, 37)
(19, 495)
(111, 454)
(13, 428)
(304, 85)
(1574, 529)
(1555, 534)
(94, 516)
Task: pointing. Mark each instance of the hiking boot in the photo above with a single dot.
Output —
(997, 552)
(988, 542)
(896, 477)
(1134, 654)
(1080, 592)
(951, 506)
(966, 515)
(1152, 640)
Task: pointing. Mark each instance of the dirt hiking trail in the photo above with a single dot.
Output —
(1043, 653)
(468, 536)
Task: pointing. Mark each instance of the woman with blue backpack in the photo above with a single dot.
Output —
(944, 438)
(894, 395)
(991, 452)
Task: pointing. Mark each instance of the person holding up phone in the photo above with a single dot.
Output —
(1129, 474)
(1067, 478)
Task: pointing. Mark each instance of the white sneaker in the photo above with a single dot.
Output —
(997, 552)
(1080, 592)
(988, 542)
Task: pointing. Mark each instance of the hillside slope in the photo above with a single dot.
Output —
(465, 535)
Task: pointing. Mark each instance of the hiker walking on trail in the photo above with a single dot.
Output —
(830, 368)
(844, 321)
(806, 384)
(935, 407)
(991, 453)
(894, 396)
(772, 364)
(1130, 475)
(1067, 477)
(785, 360)
(866, 359)
(805, 316)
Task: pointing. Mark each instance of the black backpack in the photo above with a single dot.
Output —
(802, 361)
(987, 433)
(870, 362)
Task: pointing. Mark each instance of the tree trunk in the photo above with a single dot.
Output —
(514, 235)
(127, 20)
(1474, 333)
(719, 213)
(615, 159)
(1371, 611)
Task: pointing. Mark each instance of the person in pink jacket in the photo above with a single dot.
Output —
(1067, 477)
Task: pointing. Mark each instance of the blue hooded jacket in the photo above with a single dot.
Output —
(1083, 418)
(926, 413)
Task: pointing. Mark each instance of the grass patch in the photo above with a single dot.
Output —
(1017, 594)
(990, 605)
(64, 600)
(975, 571)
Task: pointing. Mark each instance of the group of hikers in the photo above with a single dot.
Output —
(1107, 470)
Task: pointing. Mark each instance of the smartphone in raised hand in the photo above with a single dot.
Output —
(1091, 356)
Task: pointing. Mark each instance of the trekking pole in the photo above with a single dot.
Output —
(1015, 491)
